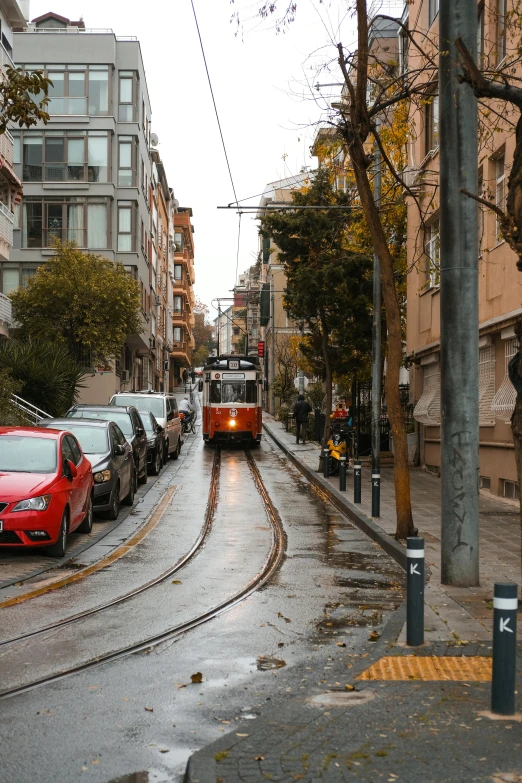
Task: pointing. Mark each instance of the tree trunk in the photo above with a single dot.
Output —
(394, 356)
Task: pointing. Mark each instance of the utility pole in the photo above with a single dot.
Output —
(272, 355)
(376, 356)
(458, 302)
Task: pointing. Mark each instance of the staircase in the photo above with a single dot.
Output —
(30, 412)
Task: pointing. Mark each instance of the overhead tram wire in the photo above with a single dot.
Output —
(220, 129)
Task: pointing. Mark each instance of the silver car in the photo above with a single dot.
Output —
(164, 408)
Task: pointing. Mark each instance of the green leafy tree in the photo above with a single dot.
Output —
(23, 98)
(84, 301)
(44, 374)
(9, 415)
(328, 285)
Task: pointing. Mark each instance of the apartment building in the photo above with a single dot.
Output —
(13, 14)
(87, 173)
(223, 331)
(160, 282)
(499, 280)
(276, 326)
(183, 293)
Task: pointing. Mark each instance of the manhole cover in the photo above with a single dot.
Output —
(429, 667)
(342, 698)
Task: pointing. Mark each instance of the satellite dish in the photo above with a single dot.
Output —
(154, 139)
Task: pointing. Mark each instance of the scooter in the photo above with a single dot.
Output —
(337, 446)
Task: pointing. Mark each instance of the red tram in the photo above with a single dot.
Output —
(232, 391)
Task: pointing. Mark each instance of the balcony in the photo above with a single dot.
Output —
(6, 315)
(6, 225)
(5, 60)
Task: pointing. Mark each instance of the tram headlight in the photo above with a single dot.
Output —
(232, 422)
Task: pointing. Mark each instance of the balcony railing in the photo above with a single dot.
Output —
(5, 59)
(7, 146)
(80, 31)
(6, 224)
(6, 310)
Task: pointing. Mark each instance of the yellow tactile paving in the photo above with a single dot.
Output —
(103, 563)
(429, 667)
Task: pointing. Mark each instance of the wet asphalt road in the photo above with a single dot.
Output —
(142, 714)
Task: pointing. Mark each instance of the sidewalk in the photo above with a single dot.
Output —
(452, 613)
(382, 714)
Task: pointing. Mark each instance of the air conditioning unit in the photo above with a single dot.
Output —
(157, 300)
(124, 376)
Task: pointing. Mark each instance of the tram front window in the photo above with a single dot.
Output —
(232, 392)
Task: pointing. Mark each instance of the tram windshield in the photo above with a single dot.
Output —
(233, 393)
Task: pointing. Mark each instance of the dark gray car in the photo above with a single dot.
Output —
(110, 455)
(129, 421)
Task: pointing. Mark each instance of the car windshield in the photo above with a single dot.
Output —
(23, 454)
(93, 440)
(121, 418)
(155, 405)
(147, 422)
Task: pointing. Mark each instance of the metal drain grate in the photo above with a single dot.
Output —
(429, 667)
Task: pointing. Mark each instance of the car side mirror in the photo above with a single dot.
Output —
(139, 431)
(119, 450)
(70, 469)
(160, 429)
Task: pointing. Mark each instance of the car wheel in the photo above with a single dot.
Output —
(156, 465)
(58, 549)
(114, 510)
(175, 454)
(143, 478)
(86, 526)
(129, 498)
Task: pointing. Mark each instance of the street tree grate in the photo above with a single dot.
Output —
(429, 667)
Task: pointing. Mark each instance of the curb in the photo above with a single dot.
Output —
(364, 523)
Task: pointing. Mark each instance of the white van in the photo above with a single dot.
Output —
(165, 409)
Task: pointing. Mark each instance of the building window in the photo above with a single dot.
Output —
(433, 10)
(125, 233)
(432, 124)
(178, 272)
(69, 220)
(480, 35)
(431, 251)
(510, 489)
(126, 96)
(59, 156)
(178, 304)
(179, 242)
(500, 24)
(177, 334)
(98, 89)
(500, 192)
(126, 165)
(10, 278)
(486, 385)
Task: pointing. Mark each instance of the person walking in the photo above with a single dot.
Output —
(301, 410)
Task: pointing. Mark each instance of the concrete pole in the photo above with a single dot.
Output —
(458, 302)
(300, 376)
(376, 359)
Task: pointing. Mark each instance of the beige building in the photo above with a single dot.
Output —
(277, 327)
(499, 281)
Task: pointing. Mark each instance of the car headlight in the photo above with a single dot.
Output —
(103, 475)
(33, 504)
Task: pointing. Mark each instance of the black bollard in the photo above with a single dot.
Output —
(326, 463)
(505, 606)
(415, 592)
(357, 478)
(376, 494)
(342, 473)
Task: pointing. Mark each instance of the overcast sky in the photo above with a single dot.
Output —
(257, 78)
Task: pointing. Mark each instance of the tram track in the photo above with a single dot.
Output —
(271, 564)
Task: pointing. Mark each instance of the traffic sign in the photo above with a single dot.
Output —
(305, 382)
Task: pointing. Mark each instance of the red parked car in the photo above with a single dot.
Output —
(46, 488)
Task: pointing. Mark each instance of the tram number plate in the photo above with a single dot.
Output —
(234, 376)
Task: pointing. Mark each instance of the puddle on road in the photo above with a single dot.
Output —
(264, 664)
(149, 776)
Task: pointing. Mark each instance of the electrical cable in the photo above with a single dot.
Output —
(219, 126)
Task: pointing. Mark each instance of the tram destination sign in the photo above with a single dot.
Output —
(233, 376)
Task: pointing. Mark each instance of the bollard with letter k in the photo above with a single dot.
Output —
(505, 607)
(415, 591)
